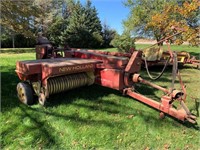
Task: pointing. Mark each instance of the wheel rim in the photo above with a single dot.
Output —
(42, 99)
(25, 93)
(21, 94)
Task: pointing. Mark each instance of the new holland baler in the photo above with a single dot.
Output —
(65, 69)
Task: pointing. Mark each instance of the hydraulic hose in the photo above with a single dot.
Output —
(161, 73)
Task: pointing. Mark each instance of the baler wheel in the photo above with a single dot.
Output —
(25, 93)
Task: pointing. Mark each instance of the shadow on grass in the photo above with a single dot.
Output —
(45, 130)
(95, 95)
(9, 82)
(16, 116)
(74, 118)
(196, 54)
(28, 125)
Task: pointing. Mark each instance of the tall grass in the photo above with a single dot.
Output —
(92, 117)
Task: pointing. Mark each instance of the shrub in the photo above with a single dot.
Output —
(123, 42)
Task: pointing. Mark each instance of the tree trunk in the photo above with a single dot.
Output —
(13, 40)
(160, 43)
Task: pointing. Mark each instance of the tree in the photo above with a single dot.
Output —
(49, 10)
(54, 31)
(74, 33)
(17, 16)
(108, 35)
(84, 27)
(62, 21)
(29, 17)
(140, 13)
(93, 25)
(155, 18)
(177, 16)
(5, 38)
(123, 42)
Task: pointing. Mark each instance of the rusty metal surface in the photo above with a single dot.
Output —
(111, 78)
(33, 66)
(163, 106)
(134, 63)
(153, 85)
(33, 69)
(110, 61)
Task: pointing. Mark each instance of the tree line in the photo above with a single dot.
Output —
(61, 21)
(78, 25)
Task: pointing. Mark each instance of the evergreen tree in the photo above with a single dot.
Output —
(55, 29)
(94, 25)
(84, 27)
(108, 35)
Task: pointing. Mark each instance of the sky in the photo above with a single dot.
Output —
(113, 12)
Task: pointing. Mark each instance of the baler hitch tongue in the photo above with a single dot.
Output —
(192, 119)
(165, 106)
(189, 117)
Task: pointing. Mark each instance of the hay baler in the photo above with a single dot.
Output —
(67, 69)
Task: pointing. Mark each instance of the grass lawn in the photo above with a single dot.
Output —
(93, 117)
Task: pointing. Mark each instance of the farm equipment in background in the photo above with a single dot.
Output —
(158, 57)
(60, 70)
(155, 56)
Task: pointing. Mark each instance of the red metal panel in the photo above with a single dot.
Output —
(109, 61)
(78, 54)
(28, 67)
(47, 67)
(111, 78)
(134, 64)
(118, 54)
(69, 66)
(68, 54)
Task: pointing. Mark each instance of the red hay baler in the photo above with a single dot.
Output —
(65, 69)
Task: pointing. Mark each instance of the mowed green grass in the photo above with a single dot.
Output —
(194, 51)
(93, 117)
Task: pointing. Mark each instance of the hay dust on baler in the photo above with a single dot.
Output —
(60, 70)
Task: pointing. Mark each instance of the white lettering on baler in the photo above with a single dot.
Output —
(76, 68)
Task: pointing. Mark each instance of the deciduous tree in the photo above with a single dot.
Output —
(18, 15)
(155, 17)
(49, 10)
(176, 16)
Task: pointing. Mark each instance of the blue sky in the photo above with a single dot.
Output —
(113, 12)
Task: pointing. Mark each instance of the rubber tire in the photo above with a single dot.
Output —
(25, 93)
